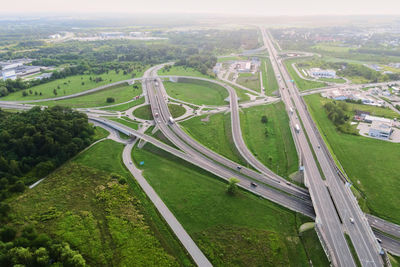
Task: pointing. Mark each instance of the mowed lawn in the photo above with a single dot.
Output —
(67, 86)
(270, 142)
(183, 71)
(240, 230)
(110, 223)
(250, 80)
(372, 165)
(301, 83)
(197, 92)
(216, 134)
(120, 93)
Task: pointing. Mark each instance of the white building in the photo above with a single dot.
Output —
(371, 119)
(243, 66)
(319, 73)
(380, 130)
(8, 74)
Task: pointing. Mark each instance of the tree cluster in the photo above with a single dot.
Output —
(35, 142)
(337, 114)
(29, 248)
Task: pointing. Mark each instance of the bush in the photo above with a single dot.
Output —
(110, 100)
(7, 234)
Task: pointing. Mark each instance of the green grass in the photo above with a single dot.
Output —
(249, 80)
(143, 112)
(277, 150)
(301, 83)
(131, 124)
(126, 106)
(230, 58)
(241, 230)
(371, 164)
(394, 260)
(215, 134)
(68, 86)
(183, 71)
(242, 94)
(197, 92)
(176, 110)
(313, 247)
(109, 223)
(121, 93)
(269, 78)
(333, 80)
(100, 133)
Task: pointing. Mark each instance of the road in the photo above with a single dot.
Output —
(197, 255)
(336, 208)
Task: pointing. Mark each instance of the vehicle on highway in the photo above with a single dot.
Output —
(352, 220)
(239, 167)
(297, 128)
(319, 146)
(130, 162)
(379, 240)
(288, 183)
(291, 110)
(156, 115)
(253, 184)
(171, 120)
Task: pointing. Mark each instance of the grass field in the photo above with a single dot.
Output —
(99, 133)
(270, 83)
(371, 164)
(143, 112)
(183, 71)
(241, 230)
(176, 110)
(277, 150)
(120, 93)
(68, 86)
(197, 92)
(332, 80)
(111, 224)
(215, 134)
(231, 58)
(249, 80)
(126, 106)
(301, 83)
(125, 121)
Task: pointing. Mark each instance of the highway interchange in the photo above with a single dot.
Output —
(329, 199)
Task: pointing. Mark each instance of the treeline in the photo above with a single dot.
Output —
(199, 62)
(31, 249)
(35, 142)
(337, 113)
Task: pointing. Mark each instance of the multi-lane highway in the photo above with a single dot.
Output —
(336, 208)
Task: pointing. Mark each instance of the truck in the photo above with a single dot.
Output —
(171, 120)
(291, 110)
(297, 128)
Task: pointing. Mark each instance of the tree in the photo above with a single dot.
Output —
(232, 186)
(55, 91)
(264, 119)
(24, 93)
(110, 100)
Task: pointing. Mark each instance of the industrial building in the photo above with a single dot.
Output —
(320, 73)
(380, 130)
(243, 66)
(8, 74)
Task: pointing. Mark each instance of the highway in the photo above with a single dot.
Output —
(336, 208)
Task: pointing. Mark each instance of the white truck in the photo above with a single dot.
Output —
(171, 120)
(297, 128)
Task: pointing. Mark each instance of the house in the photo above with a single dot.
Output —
(380, 130)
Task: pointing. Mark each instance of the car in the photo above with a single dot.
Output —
(319, 146)
(253, 184)
(239, 167)
(379, 240)
(352, 220)
(288, 183)
(130, 162)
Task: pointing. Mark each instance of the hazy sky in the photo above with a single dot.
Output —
(259, 7)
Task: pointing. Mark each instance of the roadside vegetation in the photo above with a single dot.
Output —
(370, 163)
(143, 112)
(270, 83)
(176, 110)
(267, 134)
(214, 132)
(197, 92)
(106, 97)
(175, 70)
(94, 204)
(240, 229)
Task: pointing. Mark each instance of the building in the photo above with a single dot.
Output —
(320, 73)
(380, 130)
(243, 66)
(8, 74)
(44, 76)
(371, 119)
